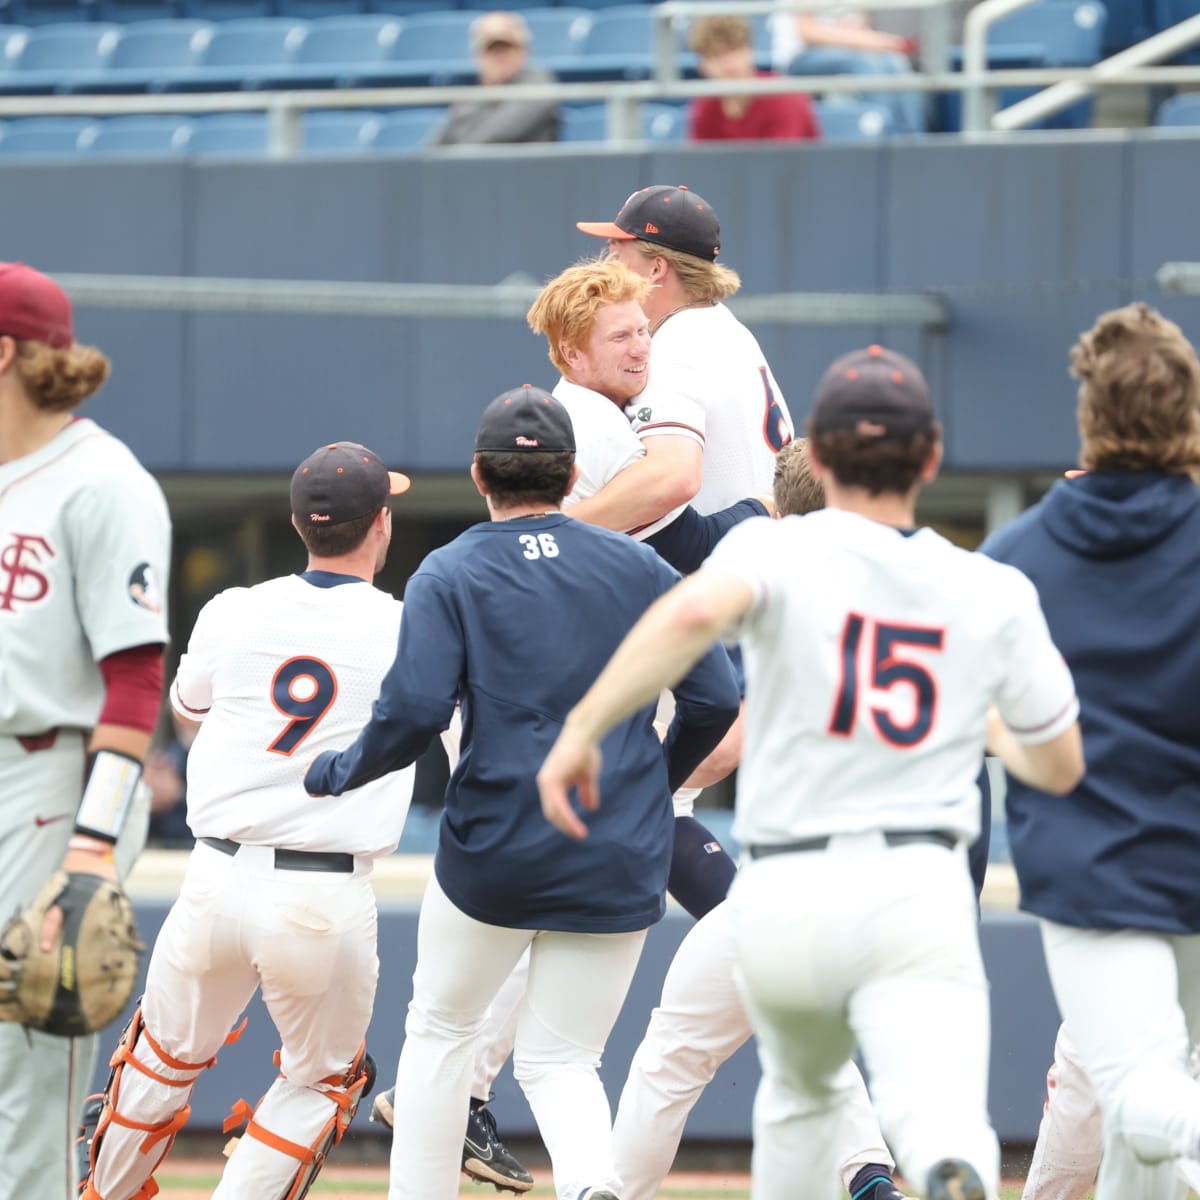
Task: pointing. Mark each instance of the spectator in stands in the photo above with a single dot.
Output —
(725, 46)
(165, 775)
(500, 44)
(845, 28)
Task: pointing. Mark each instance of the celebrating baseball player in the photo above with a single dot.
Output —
(1110, 870)
(701, 1021)
(512, 620)
(85, 545)
(854, 918)
(277, 893)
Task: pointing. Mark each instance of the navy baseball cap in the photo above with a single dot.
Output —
(342, 482)
(667, 216)
(33, 307)
(875, 392)
(525, 419)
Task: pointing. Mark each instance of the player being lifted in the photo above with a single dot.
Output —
(868, 704)
(85, 543)
(277, 894)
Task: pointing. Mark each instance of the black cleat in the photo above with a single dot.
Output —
(602, 1194)
(953, 1179)
(485, 1157)
(93, 1106)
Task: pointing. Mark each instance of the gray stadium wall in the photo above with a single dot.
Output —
(1028, 238)
(1024, 1022)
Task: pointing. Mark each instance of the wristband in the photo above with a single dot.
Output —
(109, 792)
(87, 845)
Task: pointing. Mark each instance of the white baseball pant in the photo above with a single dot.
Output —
(307, 938)
(878, 945)
(699, 1024)
(44, 1079)
(1070, 1138)
(1131, 999)
(577, 984)
(499, 1033)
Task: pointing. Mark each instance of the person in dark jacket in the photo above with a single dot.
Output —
(1111, 869)
(500, 43)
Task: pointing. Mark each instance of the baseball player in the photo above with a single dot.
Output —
(277, 893)
(867, 710)
(1115, 556)
(701, 1021)
(512, 620)
(84, 551)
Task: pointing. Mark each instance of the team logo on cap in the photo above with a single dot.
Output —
(144, 590)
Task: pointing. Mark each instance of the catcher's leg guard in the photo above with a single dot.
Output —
(346, 1091)
(138, 1050)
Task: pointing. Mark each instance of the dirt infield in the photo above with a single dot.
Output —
(188, 1180)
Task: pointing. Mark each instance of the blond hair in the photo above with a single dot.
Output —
(716, 35)
(700, 279)
(566, 308)
(1139, 393)
(58, 380)
(797, 490)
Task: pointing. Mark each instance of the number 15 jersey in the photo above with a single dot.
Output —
(276, 673)
(872, 657)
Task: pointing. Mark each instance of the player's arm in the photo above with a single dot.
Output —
(669, 475)
(658, 652)
(1055, 766)
(690, 538)
(416, 699)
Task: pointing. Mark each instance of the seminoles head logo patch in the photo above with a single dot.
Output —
(643, 414)
(144, 589)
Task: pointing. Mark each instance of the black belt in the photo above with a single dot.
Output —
(294, 860)
(904, 837)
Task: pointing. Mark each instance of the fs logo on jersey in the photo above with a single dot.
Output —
(144, 590)
(20, 580)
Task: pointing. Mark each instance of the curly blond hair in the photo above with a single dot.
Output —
(59, 380)
(702, 280)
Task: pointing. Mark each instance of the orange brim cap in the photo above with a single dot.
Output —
(399, 484)
(604, 229)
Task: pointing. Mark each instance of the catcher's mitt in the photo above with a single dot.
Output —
(86, 979)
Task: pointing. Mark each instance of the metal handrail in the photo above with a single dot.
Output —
(977, 96)
(1165, 44)
(510, 299)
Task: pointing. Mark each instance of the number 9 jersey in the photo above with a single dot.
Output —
(277, 673)
(897, 644)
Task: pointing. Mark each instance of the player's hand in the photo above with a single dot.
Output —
(95, 860)
(573, 762)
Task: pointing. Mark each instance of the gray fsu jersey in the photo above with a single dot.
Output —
(85, 542)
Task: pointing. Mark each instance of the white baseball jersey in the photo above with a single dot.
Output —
(710, 381)
(277, 673)
(605, 444)
(85, 546)
(872, 656)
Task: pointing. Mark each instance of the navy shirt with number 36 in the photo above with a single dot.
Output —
(514, 620)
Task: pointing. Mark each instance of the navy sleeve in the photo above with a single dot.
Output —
(416, 699)
(689, 539)
(707, 701)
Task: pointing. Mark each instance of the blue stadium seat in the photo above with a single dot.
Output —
(907, 108)
(339, 131)
(1129, 21)
(136, 137)
(51, 54)
(229, 135)
(853, 121)
(1179, 110)
(310, 10)
(48, 12)
(1167, 13)
(431, 48)
(241, 54)
(124, 11)
(619, 45)
(42, 136)
(228, 10)
(557, 31)
(407, 128)
(589, 122)
(12, 42)
(337, 50)
(404, 8)
(147, 55)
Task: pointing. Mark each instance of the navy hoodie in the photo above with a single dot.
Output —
(1115, 557)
